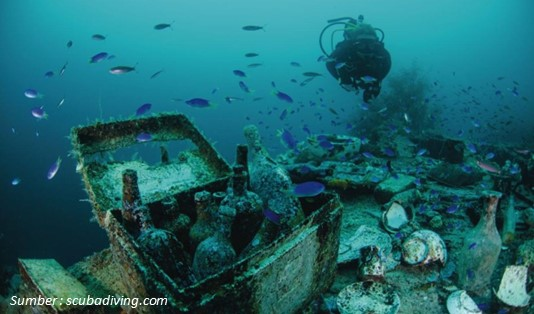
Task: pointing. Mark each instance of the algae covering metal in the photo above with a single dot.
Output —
(281, 278)
(192, 168)
(48, 279)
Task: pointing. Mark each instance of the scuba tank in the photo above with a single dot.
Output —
(353, 29)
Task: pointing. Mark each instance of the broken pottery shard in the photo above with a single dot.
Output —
(512, 290)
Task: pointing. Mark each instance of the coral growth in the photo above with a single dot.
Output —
(404, 104)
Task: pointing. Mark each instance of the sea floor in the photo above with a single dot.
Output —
(422, 289)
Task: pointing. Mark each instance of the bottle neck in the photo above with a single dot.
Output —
(239, 180)
(144, 220)
(488, 218)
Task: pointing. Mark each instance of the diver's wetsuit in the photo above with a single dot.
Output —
(363, 58)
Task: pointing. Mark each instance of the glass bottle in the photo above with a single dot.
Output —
(480, 251)
(216, 251)
(205, 224)
(248, 207)
(163, 246)
(510, 220)
(272, 183)
(166, 250)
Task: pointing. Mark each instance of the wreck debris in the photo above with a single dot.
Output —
(459, 302)
(424, 247)
(371, 264)
(368, 297)
(513, 287)
(395, 217)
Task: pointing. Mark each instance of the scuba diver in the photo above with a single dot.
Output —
(360, 61)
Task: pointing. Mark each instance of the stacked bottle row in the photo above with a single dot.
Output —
(229, 225)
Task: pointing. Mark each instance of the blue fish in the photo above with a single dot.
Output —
(368, 155)
(453, 208)
(144, 137)
(308, 189)
(515, 169)
(283, 115)
(156, 74)
(389, 152)
(304, 169)
(15, 181)
(421, 152)
(239, 73)
(375, 179)
(470, 274)
(307, 130)
(32, 93)
(283, 96)
(54, 168)
(472, 246)
(367, 79)
(422, 208)
(244, 87)
(199, 103)
(483, 306)
(295, 64)
(230, 100)
(49, 74)
(490, 156)
(288, 139)
(143, 109)
(322, 137)
(364, 106)
(272, 216)
(339, 65)
(472, 148)
(326, 144)
(39, 113)
(467, 169)
(98, 57)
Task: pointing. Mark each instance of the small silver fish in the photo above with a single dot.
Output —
(61, 102)
(121, 69)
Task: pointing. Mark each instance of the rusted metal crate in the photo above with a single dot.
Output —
(283, 277)
(195, 168)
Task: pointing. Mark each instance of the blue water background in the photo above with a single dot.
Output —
(456, 42)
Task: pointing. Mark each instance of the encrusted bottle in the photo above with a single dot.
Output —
(248, 207)
(205, 224)
(480, 252)
(510, 220)
(272, 183)
(166, 250)
(216, 251)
